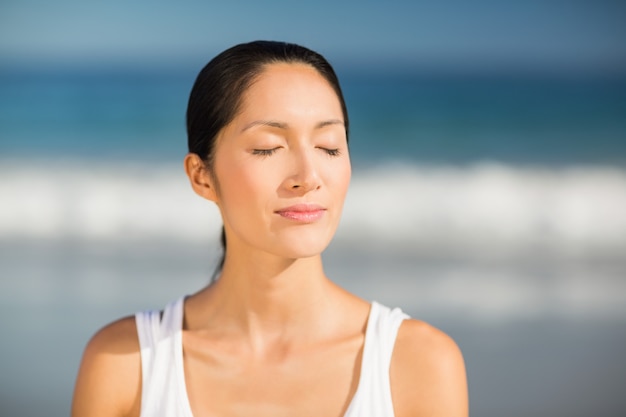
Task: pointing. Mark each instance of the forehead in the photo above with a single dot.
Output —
(289, 84)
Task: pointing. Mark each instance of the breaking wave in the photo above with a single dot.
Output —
(485, 207)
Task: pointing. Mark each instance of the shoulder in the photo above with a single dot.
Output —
(427, 373)
(109, 378)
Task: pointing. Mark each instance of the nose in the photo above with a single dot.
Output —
(305, 175)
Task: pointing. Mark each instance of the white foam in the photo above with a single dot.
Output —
(486, 207)
(95, 201)
(491, 207)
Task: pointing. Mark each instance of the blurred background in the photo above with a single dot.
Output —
(488, 197)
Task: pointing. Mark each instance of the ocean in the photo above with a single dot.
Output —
(490, 205)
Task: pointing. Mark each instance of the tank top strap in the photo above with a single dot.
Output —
(386, 324)
(154, 325)
(160, 341)
(373, 395)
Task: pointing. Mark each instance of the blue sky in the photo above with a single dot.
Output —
(573, 35)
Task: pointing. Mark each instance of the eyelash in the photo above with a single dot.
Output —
(264, 152)
(332, 152)
(269, 152)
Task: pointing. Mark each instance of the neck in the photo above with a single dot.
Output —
(274, 288)
(270, 299)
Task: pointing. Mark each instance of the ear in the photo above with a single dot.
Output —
(200, 177)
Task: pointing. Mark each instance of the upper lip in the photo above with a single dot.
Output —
(302, 208)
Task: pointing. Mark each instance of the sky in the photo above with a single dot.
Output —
(536, 35)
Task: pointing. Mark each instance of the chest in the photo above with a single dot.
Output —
(314, 382)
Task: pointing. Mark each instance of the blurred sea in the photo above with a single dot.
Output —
(490, 205)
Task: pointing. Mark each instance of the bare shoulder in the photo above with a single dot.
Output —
(109, 378)
(427, 373)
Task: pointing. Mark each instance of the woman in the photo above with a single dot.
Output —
(273, 336)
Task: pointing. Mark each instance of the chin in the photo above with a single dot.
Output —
(304, 245)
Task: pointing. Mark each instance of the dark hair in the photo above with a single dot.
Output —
(217, 93)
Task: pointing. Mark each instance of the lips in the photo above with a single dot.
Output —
(303, 213)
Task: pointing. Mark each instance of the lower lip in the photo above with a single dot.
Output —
(302, 216)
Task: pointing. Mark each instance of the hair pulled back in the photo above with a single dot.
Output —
(217, 93)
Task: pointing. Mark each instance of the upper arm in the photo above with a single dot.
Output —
(427, 373)
(109, 378)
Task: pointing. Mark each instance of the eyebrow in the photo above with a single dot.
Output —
(281, 125)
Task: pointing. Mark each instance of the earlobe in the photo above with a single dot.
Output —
(199, 177)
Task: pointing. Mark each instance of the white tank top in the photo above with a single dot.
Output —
(164, 393)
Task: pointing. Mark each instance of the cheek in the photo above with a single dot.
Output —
(340, 180)
(242, 185)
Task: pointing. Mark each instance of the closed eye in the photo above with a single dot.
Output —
(332, 152)
(264, 152)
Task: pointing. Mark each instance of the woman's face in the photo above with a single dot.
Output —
(282, 166)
